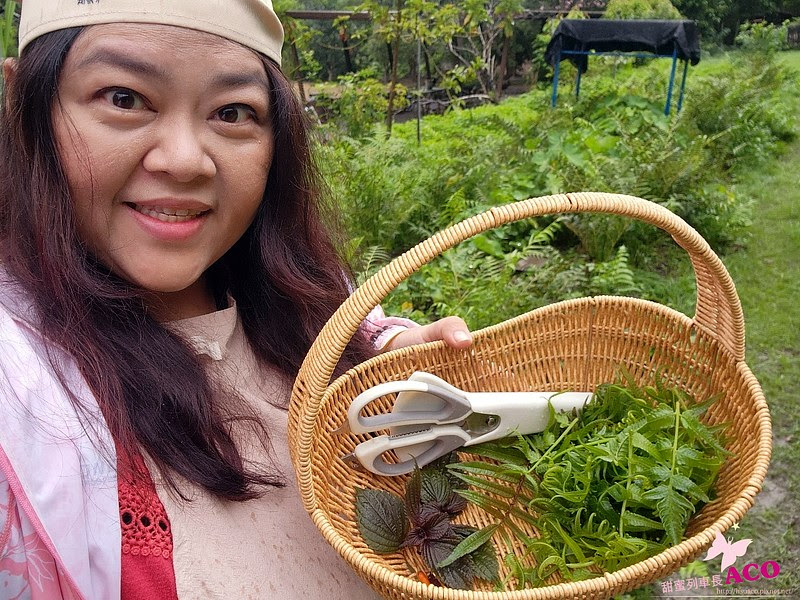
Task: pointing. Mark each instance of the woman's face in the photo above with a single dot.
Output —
(165, 140)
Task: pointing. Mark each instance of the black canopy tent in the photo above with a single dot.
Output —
(577, 39)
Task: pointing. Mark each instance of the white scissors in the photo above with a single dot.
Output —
(431, 418)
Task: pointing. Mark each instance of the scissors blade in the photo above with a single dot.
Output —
(342, 429)
(351, 460)
(480, 424)
(520, 412)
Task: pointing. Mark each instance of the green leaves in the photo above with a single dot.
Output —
(606, 489)
(381, 520)
(488, 245)
(434, 487)
(673, 509)
(455, 553)
(469, 544)
(484, 562)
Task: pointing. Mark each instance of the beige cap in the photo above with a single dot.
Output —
(252, 23)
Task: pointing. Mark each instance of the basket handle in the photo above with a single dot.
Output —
(718, 310)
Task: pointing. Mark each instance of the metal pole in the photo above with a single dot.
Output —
(578, 83)
(555, 79)
(683, 84)
(671, 79)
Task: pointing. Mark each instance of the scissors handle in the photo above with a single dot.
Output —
(451, 408)
(439, 441)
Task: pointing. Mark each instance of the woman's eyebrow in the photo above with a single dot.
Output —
(240, 79)
(113, 58)
(106, 56)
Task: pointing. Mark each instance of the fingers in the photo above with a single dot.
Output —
(453, 330)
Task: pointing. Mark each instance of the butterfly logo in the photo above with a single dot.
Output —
(730, 550)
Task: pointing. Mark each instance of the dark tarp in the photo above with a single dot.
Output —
(608, 35)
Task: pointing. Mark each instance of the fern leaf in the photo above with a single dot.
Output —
(673, 510)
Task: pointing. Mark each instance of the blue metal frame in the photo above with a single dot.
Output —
(673, 56)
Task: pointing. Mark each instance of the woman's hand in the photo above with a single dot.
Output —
(453, 330)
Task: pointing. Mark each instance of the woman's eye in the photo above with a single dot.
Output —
(235, 113)
(125, 99)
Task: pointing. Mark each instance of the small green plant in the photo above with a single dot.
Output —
(423, 519)
(599, 234)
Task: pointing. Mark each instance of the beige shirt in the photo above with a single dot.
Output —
(264, 548)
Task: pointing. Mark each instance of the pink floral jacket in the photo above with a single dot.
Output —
(60, 534)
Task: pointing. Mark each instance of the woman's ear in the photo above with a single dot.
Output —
(9, 75)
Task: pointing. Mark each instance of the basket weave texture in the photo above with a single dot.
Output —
(570, 345)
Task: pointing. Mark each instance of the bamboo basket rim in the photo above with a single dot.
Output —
(718, 314)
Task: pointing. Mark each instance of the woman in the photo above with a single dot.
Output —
(165, 269)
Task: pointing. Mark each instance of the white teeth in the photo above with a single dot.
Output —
(168, 215)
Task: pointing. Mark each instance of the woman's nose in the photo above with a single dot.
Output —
(179, 151)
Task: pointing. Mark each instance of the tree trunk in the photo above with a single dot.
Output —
(428, 76)
(501, 70)
(343, 37)
(486, 73)
(393, 79)
(390, 57)
(392, 82)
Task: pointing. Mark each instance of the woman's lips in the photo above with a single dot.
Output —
(169, 223)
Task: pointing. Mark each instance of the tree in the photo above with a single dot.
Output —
(298, 38)
(473, 39)
(389, 26)
(719, 20)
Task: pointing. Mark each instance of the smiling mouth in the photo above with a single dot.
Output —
(168, 215)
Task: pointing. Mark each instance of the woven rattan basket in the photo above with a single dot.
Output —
(570, 345)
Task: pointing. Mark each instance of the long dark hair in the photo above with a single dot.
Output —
(153, 390)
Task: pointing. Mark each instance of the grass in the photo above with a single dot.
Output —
(767, 275)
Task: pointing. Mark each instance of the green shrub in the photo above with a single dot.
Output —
(763, 37)
(743, 108)
(641, 9)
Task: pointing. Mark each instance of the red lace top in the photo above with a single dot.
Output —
(147, 570)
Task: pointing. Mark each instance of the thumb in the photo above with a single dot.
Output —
(453, 330)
